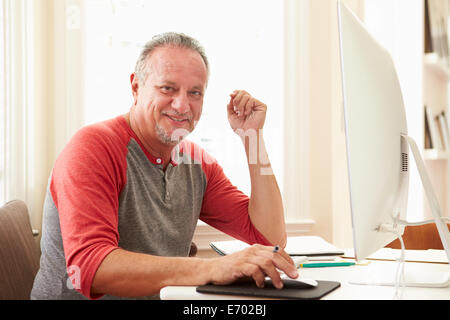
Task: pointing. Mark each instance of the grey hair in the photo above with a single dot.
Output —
(167, 39)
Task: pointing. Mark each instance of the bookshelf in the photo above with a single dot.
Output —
(421, 56)
(432, 63)
(436, 79)
(434, 154)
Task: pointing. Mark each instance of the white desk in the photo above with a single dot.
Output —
(343, 275)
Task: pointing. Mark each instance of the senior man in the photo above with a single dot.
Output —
(125, 195)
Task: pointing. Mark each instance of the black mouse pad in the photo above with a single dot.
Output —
(291, 290)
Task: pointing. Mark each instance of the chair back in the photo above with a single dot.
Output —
(19, 254)
(420, 238)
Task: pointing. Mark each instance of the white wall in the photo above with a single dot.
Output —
(43, 133)
(328, 172)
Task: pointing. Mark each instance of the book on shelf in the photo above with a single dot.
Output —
(428, 142)
(428, 42)
(443, 130)
(444, 114)
(434, 131)
(436, 38)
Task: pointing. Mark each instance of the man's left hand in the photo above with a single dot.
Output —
(245, 112)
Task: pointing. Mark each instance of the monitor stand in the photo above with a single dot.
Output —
(444, 233)
(415, 278)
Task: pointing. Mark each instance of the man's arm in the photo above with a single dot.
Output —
(247, 116)
(266, 206)
(128, 274)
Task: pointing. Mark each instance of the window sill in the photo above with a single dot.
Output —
(204, 234)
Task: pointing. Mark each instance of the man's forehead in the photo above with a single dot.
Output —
(174, 59)
(177, 66)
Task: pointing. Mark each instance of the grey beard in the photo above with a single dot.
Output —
(177, 136)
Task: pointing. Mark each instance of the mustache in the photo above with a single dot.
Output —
(176, 114)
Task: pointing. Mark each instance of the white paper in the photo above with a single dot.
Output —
(303, 245)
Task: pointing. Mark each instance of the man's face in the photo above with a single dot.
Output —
(169, 103)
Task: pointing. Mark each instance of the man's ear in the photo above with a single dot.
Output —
(134, 87)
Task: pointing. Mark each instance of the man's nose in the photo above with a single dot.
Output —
(181, 102)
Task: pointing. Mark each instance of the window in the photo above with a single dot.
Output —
(262, 47)
(245, 47)
(15, 100)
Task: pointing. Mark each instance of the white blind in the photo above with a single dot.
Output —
(244, 41)
(15, 99)
(2, 102)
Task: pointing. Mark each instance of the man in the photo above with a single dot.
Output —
(121, 207)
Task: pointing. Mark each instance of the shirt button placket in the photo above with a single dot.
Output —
(166, 182)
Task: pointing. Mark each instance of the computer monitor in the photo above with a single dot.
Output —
(377, 141)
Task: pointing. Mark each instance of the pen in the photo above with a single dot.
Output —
(327, 264)
(276, 248)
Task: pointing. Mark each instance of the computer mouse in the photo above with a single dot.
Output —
(287, 281)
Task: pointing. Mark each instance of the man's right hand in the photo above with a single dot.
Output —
(256, 263)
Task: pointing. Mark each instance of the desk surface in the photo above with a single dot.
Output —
(347, 291)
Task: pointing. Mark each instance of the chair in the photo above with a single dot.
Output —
(419, 238)
(19, 255)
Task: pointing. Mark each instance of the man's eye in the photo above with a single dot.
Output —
(166, 89)
(197, 93)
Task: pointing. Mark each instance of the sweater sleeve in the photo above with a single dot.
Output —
(225, 207)
(86, 181)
